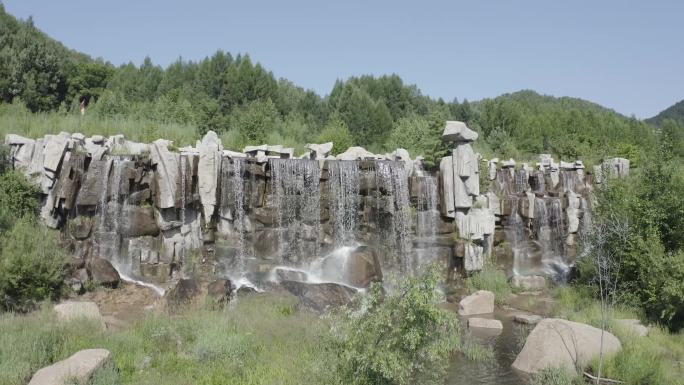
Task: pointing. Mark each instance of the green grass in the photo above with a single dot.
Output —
(259, 340)
(15, 119)
(491, 279)
(657, 359)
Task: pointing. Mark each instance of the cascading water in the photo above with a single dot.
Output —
(113, 201)
(239, 217)
(344, 200)
(392, 183)
(296, 190)
(427, 204)
(520, 181)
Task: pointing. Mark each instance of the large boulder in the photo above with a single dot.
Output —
(79, 368)
(320, 296)
(456, 131)
(184, 292)
(220, 290)
(73, 310)
(480, 302)
(561, 343)
(103, 273)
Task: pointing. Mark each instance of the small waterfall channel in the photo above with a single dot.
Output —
(112, 207)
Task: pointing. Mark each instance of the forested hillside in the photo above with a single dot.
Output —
(674, 112)
(42, 84)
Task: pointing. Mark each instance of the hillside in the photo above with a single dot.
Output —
(245, 103)
(674, 112)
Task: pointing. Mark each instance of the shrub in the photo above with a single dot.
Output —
(491, 279)
(336, 131)
(17, 195)
(399, 338)
(31, 265)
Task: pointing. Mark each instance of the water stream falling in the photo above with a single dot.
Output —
(112, 206)
(344, 200)
(296, 191)
(393, 194)
(239, 217)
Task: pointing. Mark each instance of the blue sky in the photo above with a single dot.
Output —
(626, 55)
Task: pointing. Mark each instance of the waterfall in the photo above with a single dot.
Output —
(104, 198)
(520, 181)
(239, 217)
(295, 185)
(393, 182)
(427, 206)
(344, 200)
(515, 234)
(183, 188)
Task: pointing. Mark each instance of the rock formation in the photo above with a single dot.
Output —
(153, 210)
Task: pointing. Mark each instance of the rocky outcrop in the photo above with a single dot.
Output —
(456, 131)
(166, 175)
(563, 344)
(79, 367)
(480, 302)
(210, 152)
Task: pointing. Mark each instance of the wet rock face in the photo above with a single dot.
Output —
(319, 297)
(103, 273)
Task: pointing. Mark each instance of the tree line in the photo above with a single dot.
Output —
(246, 104)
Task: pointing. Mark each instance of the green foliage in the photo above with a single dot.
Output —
(336, 131)
(31, 265)
(409, 133)
(5, 163)
(555, 376)
(652, 360)
(652, 259)
(655, 359)
(401, 337)
(674, 112)
(491, 279)
(18, 197)
(255, 121)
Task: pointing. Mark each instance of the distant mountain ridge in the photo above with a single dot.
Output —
(674, 112)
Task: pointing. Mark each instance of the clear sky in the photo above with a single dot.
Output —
(626, 55)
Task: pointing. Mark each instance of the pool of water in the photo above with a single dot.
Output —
(505, 347)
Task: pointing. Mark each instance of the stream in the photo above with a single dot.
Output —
(505, 347)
